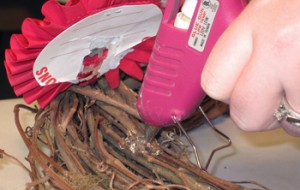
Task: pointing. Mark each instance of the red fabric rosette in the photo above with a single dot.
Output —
(36, 34)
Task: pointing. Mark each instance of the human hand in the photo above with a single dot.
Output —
(256, 62)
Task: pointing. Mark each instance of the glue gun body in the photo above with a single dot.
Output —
(171, 86)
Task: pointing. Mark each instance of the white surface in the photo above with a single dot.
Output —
(12, 176)
(271, 158)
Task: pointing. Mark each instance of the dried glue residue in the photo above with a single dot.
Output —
(141, 145)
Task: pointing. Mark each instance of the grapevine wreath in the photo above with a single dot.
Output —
(87, 133)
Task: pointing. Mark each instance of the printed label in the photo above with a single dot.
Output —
(202, 24)
(116, 30)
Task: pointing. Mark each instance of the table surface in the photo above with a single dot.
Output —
(270, 158)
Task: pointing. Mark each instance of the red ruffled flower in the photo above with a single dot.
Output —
(36, 34)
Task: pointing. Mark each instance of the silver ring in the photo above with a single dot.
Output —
(285, 112)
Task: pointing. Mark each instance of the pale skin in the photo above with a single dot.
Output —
(256, 62)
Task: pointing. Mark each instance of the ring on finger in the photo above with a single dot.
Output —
(285, 112)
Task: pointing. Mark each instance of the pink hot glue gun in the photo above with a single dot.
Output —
(171, 85)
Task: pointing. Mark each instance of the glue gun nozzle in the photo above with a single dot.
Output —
(151, 133)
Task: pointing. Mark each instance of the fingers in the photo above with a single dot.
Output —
(289, 72)
(291, 86)
(255, 63)
(227, 60)
(256, 96)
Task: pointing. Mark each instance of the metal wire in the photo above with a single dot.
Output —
(189, 140)
(229, 143)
